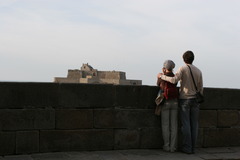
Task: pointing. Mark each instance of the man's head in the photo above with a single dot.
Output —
(188, 57)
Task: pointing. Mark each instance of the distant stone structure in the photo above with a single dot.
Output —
(88, 74)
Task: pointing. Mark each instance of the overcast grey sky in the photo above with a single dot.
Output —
(42, 39)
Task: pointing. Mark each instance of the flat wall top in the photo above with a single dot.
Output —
(75, 95)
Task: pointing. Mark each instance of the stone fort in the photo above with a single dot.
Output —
(87, 74)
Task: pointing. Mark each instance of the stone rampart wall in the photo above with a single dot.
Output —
(49, 117)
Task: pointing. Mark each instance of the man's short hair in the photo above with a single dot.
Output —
(188, 57)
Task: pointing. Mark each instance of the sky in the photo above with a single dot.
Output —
(42, 39)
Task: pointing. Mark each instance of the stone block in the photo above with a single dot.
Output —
(7, 141)
(76, 140)
(139, 97)
(208, 119)
(28, 95)
(27, 119)
(86, 95)
(105, 118)
(126, 139)
(216, 98)
(125, 118)
(151, 138)
(228, 118)
(27, 142)
(221, 137)
(74, 118)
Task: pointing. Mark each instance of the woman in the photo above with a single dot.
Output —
(169, 112)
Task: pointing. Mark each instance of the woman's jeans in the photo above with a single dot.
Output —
(189, 112)
(169, 114)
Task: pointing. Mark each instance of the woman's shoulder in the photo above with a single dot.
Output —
(170, 74)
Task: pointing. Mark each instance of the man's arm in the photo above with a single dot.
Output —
(174, 79)
(200, 85)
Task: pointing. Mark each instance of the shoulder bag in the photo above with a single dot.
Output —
(199, 96)
(159, 101)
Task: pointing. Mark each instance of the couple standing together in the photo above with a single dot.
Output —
(186, 102)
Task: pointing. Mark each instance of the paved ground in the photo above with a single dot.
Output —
(231, 153)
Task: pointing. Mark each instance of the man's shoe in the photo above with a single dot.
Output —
(186, 152)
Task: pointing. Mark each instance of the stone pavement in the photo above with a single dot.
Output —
(226, 153)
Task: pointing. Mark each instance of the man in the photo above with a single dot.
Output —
(189, 108)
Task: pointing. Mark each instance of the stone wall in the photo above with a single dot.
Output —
(49, 117)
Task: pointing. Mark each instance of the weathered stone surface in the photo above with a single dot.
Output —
(216, 98)
(208, 118)
(125, 118)
(140, 97)
(86, 95)
(27, 119)
(105, 118)
(228, 118)
(7, 141)
(221, 137)
(126, 139)
(27, 142)
(74, 118)
(28, 95)
(151, 138)
(76, 140)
